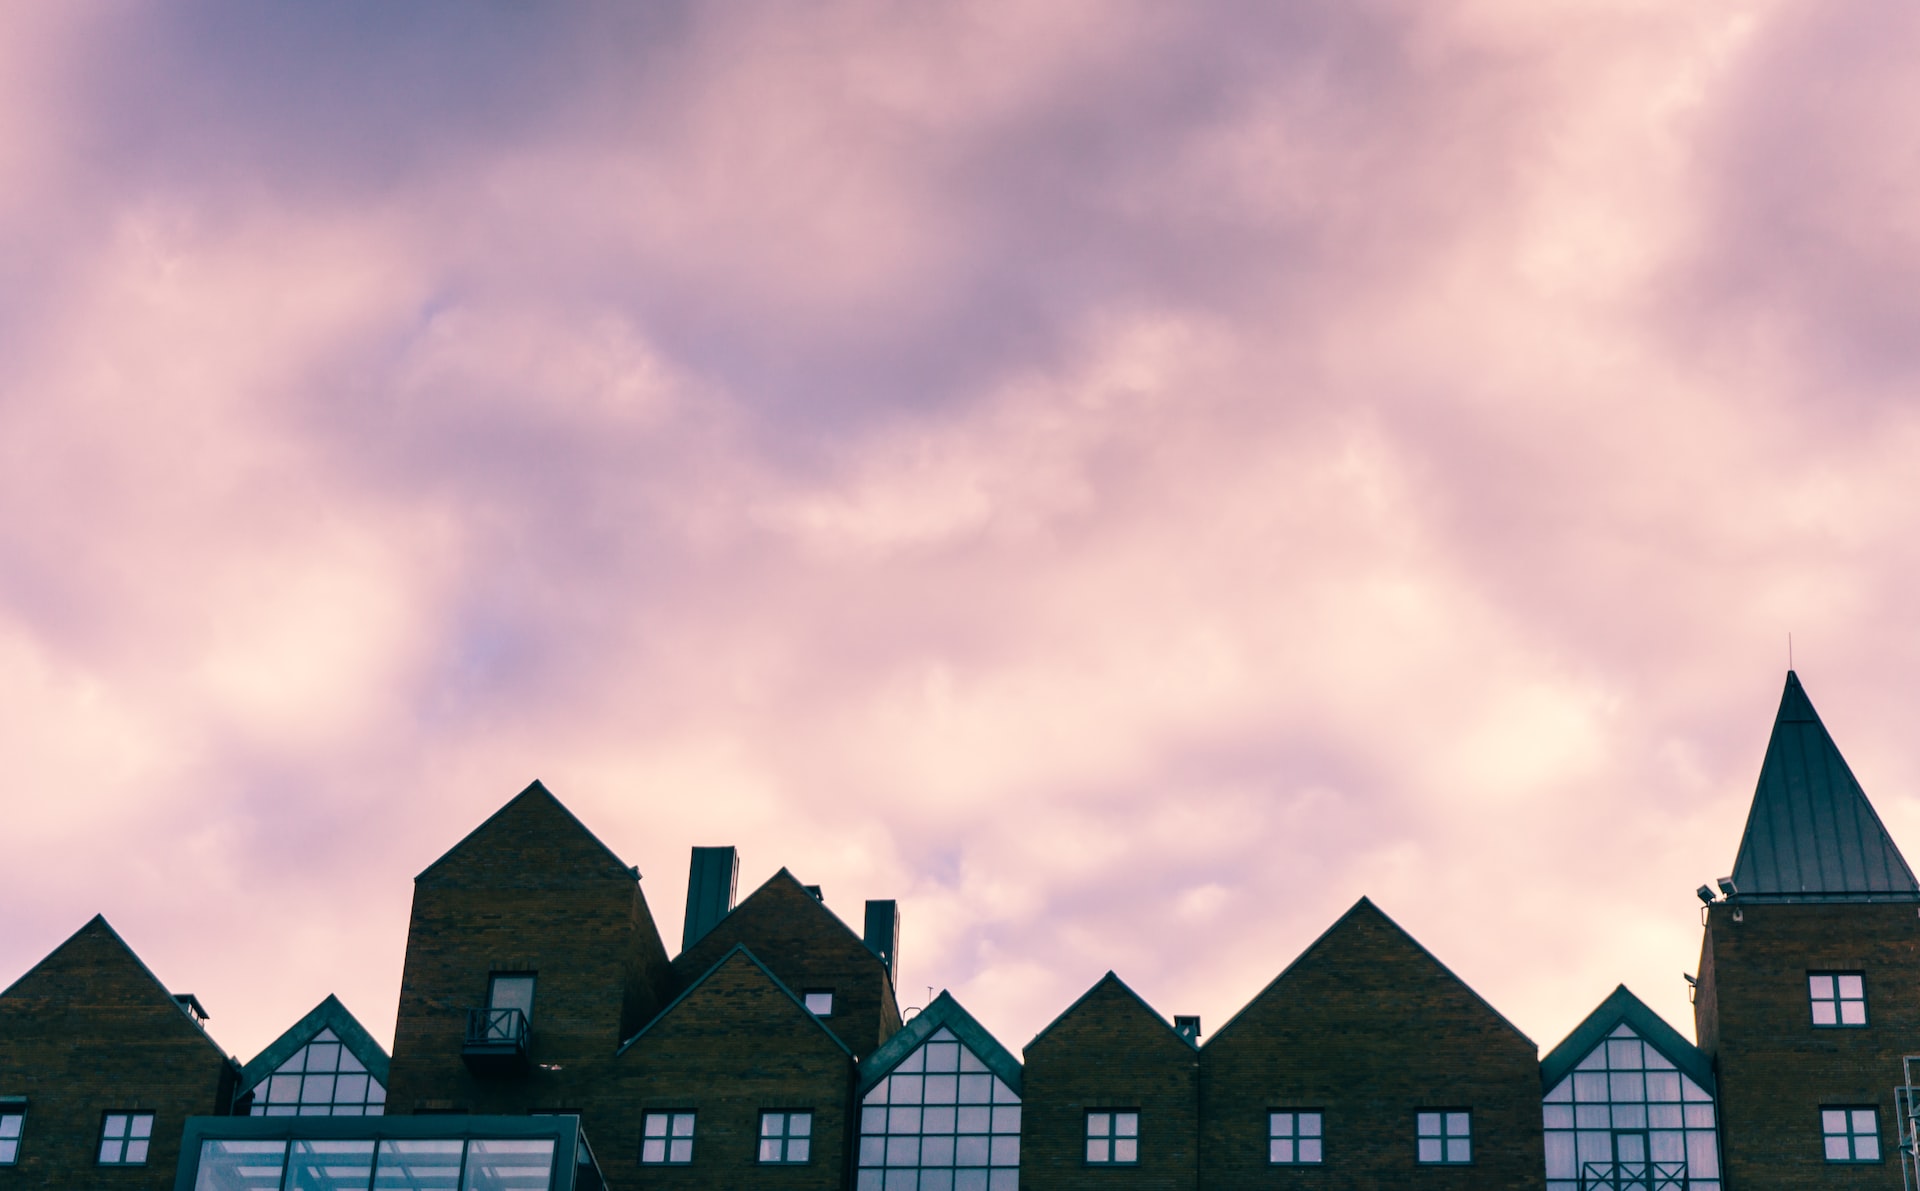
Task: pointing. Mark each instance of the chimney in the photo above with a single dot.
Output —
(1188, 1028)
(712, 880)
(883, 932)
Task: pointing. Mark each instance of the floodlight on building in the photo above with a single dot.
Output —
(1727, 887)
(1705, 894)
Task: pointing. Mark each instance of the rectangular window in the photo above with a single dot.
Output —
(786, 1138)
(1293, 1138)
(1851, 1134)
(512, 992)
(1839, 998)
(1113, 1138)
(124, 1137)
(1446, 1137)
(666, 1138)
(820, 1002)
(11, 1123)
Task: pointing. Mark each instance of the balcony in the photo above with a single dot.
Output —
(496, 1042)
(1634, 1176)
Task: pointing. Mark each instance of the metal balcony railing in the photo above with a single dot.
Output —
(1634, 1176)
(496, 1041)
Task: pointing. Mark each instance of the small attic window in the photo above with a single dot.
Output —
(194, 1008)
(819, 1002)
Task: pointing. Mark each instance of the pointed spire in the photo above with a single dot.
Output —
(1812, 835)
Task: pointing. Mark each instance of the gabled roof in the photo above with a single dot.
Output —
(1812, 835)
(99, 936)
(1110, 980)
(1623, 1008)
(782, 882)
(530, 806)
(329, 1014)
(799, 1005)
(944, 1012)
(1361, 911)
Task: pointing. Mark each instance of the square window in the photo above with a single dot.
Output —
(820, 1002)
(786, 1138)
(1851, 1134)
(1294, 1138)
(666, 1138)
(11, 1125)
(1839, 999)
(1113, 1137)
(1445, 1138)
(124, 1137)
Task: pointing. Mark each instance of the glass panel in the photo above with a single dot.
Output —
(418, 1165)
(1820, 988)
(521, 1164)
(1853, 1013)
(330, 1166)
(240, 1165)
(511, 992)
(1852, 986)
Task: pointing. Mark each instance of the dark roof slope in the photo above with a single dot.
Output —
(1111, 983)
(74, 965)
(947, 1012)
(736, 954)
(328, 1014)
(1623, 1008)
(1812, 835)
(550, 845)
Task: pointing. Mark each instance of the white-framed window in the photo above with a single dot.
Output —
(666, 1138)
(786, 1138)
(1294, 1138)
(1851, 1134)
(1445, 1138)
(1839, 999)
(11, 1125)
(124, 1137)
(819, 1002)
(1113, 1137)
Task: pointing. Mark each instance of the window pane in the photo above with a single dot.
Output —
(241, 1165)
(1096, 1149)
(418, 1165)
(1429, 1149)
(1820, 987)
(519, 1164)
(1310, 1149)
(1852, 986)
(330, 1166)
(1429, 1124)
(1836, 1149)
(1866, 1148)
(1127, 1149)
(1125, 1124)
(1853, 1013)
(1823, 1013)
(1097, 1124)
(1309, 1124)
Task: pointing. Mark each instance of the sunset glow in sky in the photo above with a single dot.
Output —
(1125, 479)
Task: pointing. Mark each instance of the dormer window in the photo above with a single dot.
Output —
(1839, 999)
(819, 1002)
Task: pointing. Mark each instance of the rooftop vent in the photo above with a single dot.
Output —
(194, 1008)
(712, 880)
(814, 890)
(1188, 1027)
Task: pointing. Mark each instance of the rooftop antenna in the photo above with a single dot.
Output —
(1789, 651)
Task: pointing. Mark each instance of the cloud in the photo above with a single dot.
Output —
(1125, 481)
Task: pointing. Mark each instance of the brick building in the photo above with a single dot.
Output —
(547, 1040)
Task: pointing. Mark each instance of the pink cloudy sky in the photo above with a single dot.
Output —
(1125, 479)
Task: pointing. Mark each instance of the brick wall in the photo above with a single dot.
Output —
(1776, 1069)
(89, 1030)
(530, 890)
(1368, 1028)
(734, 1046)
(807, 947)
(1110, 1051)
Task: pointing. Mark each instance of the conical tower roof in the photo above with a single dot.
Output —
(1812, 835)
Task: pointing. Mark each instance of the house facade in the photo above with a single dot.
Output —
(548, 1040)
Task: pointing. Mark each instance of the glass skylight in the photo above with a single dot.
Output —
(940, 1122)
(322, 1079)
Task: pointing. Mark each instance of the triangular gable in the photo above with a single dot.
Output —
(97, 939)
(1364, 909)
(329, 1014)
(1623, 1008)
(524, 810)
(737, 950)
(781, 885)
(1111, 980)
(1811, 832)
(945, 1012)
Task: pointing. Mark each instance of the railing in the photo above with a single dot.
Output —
(496, 1040)
(1634, 1176)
